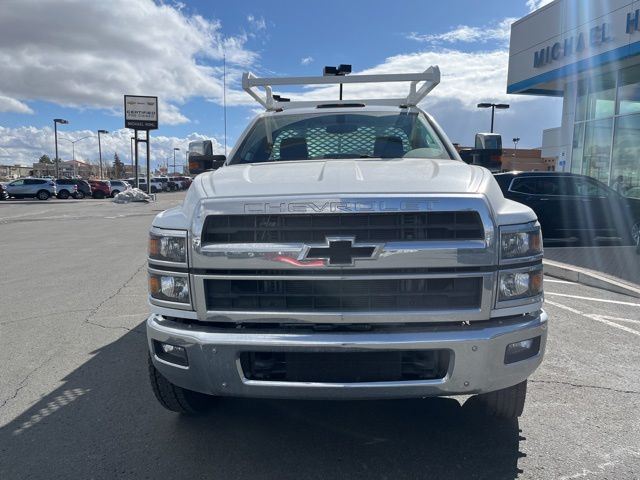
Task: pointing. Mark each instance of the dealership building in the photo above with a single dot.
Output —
(586, 52)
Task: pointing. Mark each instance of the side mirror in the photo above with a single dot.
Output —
(217, 161)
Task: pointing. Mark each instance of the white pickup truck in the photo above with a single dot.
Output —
(344, 251)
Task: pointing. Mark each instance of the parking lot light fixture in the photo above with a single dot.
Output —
(100, 149)
(57, 121)
(493, 106)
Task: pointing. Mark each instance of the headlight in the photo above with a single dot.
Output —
(168, 246)
(518, 242)
(169, 288)
(521, 284)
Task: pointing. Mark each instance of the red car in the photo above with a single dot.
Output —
(100, 188)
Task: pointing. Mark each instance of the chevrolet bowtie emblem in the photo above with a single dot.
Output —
(340, 251)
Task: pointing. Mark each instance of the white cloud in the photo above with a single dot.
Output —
(306, 61)
(536, 4)
(257, 23)
(24, 145)
(88, 54)
(12, 105)
(469, 34)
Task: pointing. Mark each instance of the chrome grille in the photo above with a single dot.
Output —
(347, 295)
(365, 227)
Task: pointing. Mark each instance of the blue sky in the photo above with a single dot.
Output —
(75, 60)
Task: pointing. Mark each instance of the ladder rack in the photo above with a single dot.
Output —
(430, 78)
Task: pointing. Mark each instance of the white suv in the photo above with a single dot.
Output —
(40, 188)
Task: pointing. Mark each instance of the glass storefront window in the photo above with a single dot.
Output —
(629, 91)
(597, 149)
(602, 97)
(581, 101)
(577, 149)
(626, 156)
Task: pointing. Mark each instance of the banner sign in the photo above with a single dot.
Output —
(140, 113)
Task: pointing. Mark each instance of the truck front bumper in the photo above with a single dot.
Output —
(477, 360)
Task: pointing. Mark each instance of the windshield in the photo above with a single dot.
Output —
(338, 135)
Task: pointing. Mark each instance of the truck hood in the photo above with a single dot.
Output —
(403, 175)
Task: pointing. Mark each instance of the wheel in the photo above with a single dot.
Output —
(98, 194)
(505, 403)
(43, 195)
(114, 193)
(63, 194)
(79, 195)
(174, 398)
(154, 189)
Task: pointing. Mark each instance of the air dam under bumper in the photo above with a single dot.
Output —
(476, 364)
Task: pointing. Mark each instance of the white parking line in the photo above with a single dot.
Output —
(597, 318)
(578, 297)
(618, 319)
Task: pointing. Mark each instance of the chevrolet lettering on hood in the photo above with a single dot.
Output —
(342, 206)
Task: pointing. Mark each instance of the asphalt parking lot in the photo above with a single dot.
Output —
(75, 401)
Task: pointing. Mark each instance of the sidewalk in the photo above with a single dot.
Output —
(618, 265)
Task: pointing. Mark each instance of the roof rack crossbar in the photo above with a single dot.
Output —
(430, 78)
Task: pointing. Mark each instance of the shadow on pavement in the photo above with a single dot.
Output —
(103, 422)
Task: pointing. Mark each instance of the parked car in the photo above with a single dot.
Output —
(181, 182)
(40, 188)
(100, 188)
(84, 189)
(66, 187)
(3, 192)
(118, 186)
(164, 181)
(574, 208)
(156, 185)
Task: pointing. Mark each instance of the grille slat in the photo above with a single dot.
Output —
(347, 295)
(308, 228)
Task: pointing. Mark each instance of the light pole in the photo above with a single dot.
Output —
(339, 71)
(73, 146)
(100, 150)
(132, 167)
(493, 106)
(515, 146)
(175, 149)
(57, 121)
(186, 162)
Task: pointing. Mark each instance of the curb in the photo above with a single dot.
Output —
(589, 277)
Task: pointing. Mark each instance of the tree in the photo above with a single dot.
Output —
(45, 159)
(118, 166)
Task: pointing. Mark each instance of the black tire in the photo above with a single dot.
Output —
(43, 195)
(114, 193)
(505, 403)
(177, 399)
(98, 195)
(153, 189)
(79, 195)
(63, 194)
